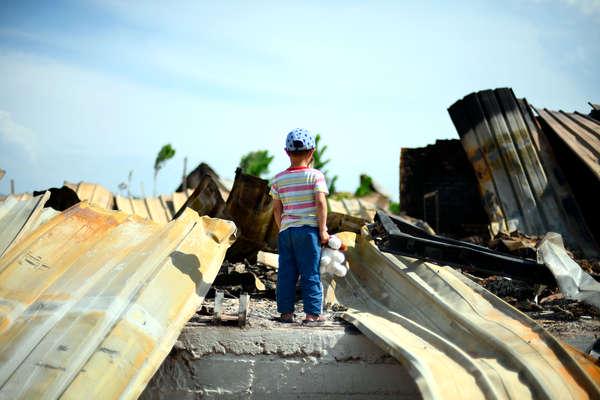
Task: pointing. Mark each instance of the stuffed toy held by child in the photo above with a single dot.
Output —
(332, 258)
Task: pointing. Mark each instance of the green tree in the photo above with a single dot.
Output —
(365, 187)
(394, 208)
(256, 162)
(166, 153)
(319, 163)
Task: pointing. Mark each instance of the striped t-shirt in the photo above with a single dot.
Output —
(296, 188)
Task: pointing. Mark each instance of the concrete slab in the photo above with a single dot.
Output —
(335, 361)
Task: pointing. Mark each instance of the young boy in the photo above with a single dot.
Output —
(300, 209)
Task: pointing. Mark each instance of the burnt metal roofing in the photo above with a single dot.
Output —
(519, 190)
(457, 340)
(18, 217)
(93, 300)
(93, 193)
(578, 132)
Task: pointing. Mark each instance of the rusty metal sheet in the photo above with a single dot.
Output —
(580, 235)
(519, 191)
(206, 199)
(194, 178)
(19, 217)
(251, 208)
(457, 340)
(92, 301)
(93, 193)
(474, 130)
(578, 132)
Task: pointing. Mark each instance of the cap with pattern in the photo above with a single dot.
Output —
(299, 139)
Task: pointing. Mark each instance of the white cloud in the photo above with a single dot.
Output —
(14, 133)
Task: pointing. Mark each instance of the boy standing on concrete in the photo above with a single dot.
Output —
(300, 210)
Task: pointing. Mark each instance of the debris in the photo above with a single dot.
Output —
(100, 283)
(595, 112)
(444, 169)
(594, 350)
(349, 214)
(60, 198)
(397, 237)
(206, 199)
(95, 194)
(218, 308)
(220, 317)
(429, 315)
(236, 279)
(268, 259)
(251, 208)
(20, 217)
(518, 245)
(575, 139)
(520, 187)
(243, 310)
(194, 178)
(574, 283)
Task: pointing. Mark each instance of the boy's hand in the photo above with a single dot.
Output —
(324, 236)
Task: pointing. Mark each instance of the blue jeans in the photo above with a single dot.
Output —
(299, 255)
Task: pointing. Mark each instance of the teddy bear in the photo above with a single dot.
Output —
(332, 258)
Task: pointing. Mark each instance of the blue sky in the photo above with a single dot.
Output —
(90, 90)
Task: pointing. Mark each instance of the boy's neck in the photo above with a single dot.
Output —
(302, 163)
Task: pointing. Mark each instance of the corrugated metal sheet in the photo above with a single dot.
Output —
(19, 197)
(92, 301)
(178, 199)
(349, 214)
(457, 340)
(194, 178)
(158, 209)
(153, 208)
(499, 139)
(93, 193)
(19, 217)
(577, 131)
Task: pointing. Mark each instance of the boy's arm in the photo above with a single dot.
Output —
(277, 209)
(321, 202)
